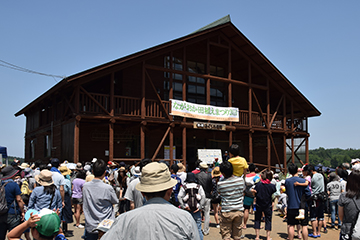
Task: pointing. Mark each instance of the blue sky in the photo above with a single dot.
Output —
(313, 43)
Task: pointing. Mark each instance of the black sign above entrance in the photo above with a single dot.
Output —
(210, 126)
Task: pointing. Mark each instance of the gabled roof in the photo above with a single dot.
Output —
(228, 29)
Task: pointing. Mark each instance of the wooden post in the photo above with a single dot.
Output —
(143, 109)
(184, 145)
(251, 159)
(171, 145)
(285, 159)
(292, 133)
(250, 97)
(77, 99)
(268, 150)
(268, 103)
(112, 100)
(208, 72)
(76, 139)
(230, 92)
(307, 149)
(111, 140)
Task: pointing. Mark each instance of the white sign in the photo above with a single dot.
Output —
(209, 155)
(206, 112)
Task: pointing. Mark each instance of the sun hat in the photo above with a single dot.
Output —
(64, 170)
(8, 172)
(79, 166)
(155, 177)
(203, 165)
(216, 172)
(135, 171)
(44, 178)
(355, 160)
(121, 169)
(181, 167)
(104, 225)
(49, 223)
(87, 168)
(24, 165)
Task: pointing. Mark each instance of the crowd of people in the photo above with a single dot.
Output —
(153, 200)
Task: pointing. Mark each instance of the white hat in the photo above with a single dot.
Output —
(155, 177)
(203, 165)
(355, 160)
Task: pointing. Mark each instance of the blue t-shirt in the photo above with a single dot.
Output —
(176, 188)
(294, 193)
(12, 189)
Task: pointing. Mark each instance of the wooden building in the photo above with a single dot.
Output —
(120, 110)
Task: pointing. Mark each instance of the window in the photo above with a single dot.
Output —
(217, 96)
(47, 146)
(32, 148)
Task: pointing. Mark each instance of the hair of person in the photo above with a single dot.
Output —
(252, 167)
(197, 163)
(25, 198)
(353, 185)
(160, 194)
(234, 149)
(292, 168)
(42, 166)
(346, 165)
(38, 163)
(342, 173)
(144, 162)
(226, 169)
(267, 174)
(99, 168)
(81, 174)
(175, 168)
(50, 189)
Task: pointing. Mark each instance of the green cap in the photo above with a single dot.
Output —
(48, 225)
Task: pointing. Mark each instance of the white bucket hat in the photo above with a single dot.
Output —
(155, 177)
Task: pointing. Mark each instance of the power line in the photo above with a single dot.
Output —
(15, 67)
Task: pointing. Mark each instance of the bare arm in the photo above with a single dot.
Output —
(62, 193)
(341, 213)
(16, 233)
(305, 184)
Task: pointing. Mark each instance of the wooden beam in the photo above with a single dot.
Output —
(284, 149)
(143, 91)
(161, 143)
(142, 141)
(68, 104)
(268, 104)
(208, 72)
(276, 111)
(157, 95)
(275, 151)
(250, 96)
(94, 100)
(307, 150)
(261, 112)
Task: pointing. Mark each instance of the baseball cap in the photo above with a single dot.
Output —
(49, 223)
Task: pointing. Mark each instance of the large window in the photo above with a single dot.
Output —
(177, 78)
(47, 146)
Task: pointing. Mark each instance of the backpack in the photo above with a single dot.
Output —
(355, 226)
(192, 197)
(3, 203)
(25, 188)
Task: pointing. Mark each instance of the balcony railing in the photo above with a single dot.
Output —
(130, 106)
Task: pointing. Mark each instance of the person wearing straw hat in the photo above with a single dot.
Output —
(215, 196)
(15, 204)
(157, 218)
(46, 195)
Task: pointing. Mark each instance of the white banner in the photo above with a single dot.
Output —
(206, 112)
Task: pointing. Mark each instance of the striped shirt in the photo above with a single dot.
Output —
(231, 191)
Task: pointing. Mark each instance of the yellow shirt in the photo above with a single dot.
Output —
(239, 165)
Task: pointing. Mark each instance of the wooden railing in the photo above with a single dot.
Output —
(131, 106)
(127, 106)
(87, 105)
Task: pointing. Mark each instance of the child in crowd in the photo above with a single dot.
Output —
(264, 190)
(239, 163)
(44, 226)
(282, 203)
